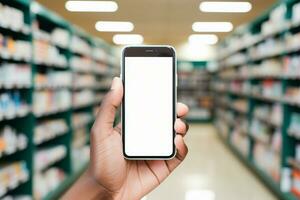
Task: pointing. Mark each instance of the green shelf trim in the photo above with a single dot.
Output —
(24, 2)
(76, 30)
(66, 184)
(198, 120)
(40, 10)
(272, 185)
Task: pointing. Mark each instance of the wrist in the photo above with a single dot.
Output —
(102, 192)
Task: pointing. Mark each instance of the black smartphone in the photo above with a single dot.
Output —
(149, 75)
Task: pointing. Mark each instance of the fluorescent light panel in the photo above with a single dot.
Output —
(212, 27)
(225, 7)
(208, 39)
(125, 39)
(114, 26)
(91, 6)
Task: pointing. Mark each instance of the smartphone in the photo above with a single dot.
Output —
(149, 75)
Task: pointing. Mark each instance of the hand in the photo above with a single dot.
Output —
(128, 179)
(110, 176)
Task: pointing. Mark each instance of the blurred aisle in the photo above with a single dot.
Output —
(212, 168)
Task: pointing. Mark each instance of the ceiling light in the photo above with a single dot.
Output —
(91, 6)
(225, 7)
(209, 39)
(124, 39)
(113, 26)
(212, 26)
(200, 194)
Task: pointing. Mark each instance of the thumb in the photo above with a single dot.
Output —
(106, 115)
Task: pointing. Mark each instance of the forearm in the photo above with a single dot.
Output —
(86, 188)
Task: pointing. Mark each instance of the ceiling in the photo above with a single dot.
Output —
(159, 21)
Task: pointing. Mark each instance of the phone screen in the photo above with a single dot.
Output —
(149, 106)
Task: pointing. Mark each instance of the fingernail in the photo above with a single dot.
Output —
(114, 83)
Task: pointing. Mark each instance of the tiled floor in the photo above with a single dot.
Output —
(212, 171)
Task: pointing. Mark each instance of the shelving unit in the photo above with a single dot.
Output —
(193, 89)
(49, 107)
(258, 74)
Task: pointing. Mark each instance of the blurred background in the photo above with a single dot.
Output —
(238, 70)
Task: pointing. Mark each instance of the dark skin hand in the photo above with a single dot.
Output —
(109, 175)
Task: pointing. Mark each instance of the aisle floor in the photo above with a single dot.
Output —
(211, 170)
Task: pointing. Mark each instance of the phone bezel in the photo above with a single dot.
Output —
(149, 51)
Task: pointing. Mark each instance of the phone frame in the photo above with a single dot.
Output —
(149, 51)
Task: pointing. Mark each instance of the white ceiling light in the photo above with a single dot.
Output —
(91, 6)
(113, 26)
(212, 27)
(225, 7)
(124, 39)
(209, 39)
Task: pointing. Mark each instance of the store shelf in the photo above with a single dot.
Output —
(274, 187)
(40, 25)
(246, 65)
(56, 194)
(15, 116)
(53, 112)
(17, 150)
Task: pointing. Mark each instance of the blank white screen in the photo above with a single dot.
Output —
(148, 106)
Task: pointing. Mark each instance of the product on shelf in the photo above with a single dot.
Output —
(53, 80)
(84, 81)
(13, 18)
(223, 127)
(240, 105)
(80, 156)
(80, 137)
(60, 37)
(237, 59)
(49, 129)
(11, 141)
(99, 54)
(268, 89)
(268, 114)
(81, 119)
(276, 22)
(100, 68)
(294, 126)
(14, 49)
(12, 175)
(15, 75)
(46, 53)
(260, 131)
(12, 105)
(17, 197)
(45, 182)
(45, 157)
(268, 160)
(81, 64)
(78, 45)
(240, 141)
(269, 47)
(45, 102)
(292, 175)
(83, 98)
(296, 14)
(193, 89)
(291, 66)
(292, 94)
